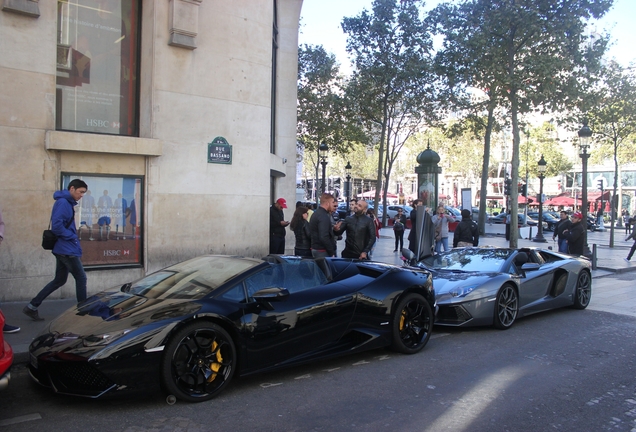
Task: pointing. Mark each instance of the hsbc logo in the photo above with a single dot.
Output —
(116, 252)
(97, 123)
(102, 123)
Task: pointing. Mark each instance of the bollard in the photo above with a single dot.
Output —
(593, 256)
(530, 235)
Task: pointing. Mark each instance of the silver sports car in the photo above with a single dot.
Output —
(495, 286)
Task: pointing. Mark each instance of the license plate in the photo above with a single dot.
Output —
(34, 360)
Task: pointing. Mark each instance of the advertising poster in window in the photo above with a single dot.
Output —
(97, 49)
(108, 220)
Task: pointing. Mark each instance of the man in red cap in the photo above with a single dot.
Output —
(277, 224)
(575, 235)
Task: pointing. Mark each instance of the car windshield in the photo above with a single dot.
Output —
(191, 279)
(469, 259)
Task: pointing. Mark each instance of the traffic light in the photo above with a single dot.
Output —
(507, 186)
(600, 185)
(524, 190)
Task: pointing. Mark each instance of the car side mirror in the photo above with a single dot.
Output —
(530, 266)
(409, 256)
(271, 294)
(126, 287)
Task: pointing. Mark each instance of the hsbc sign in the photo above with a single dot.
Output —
(102, 123)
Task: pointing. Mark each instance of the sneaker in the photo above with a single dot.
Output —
(10, 329)
(626, 259)
(33, 314)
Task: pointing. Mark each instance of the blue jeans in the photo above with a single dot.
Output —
(65, 264)
(438, 245)
(563, 245)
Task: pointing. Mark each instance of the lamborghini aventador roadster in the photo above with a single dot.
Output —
(192, 326)
(495, 286)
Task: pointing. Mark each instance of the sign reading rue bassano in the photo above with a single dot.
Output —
(219, 151)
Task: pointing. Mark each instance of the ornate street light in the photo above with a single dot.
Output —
(585, 135)
(541, 167)
(348, 182)
(323, 161)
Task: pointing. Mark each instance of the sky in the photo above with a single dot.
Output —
(320, 25)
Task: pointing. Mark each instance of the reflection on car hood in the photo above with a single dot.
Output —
(107, 312)
(445, 280)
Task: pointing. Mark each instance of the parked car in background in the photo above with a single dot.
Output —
(6, 358)
(392, 210)
(501, 219)
(548, 218)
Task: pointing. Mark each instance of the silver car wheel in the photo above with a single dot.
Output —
(583, 291)
(507, 307)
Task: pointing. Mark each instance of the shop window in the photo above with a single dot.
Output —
(109, 220)
(97, 66)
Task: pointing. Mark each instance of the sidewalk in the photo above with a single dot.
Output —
(610, 261)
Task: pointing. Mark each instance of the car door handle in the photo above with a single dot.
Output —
(344, 300)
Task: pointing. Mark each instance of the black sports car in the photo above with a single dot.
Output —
(495, 286)
(192, 326)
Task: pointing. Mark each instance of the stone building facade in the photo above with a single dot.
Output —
(179, 114)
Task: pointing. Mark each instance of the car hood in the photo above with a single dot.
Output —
(459, 285)
(108, 317)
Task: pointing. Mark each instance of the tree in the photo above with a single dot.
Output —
(613, 120)
(538, 56)
(392, 81)
(323, 112)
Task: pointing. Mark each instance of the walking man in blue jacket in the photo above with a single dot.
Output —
(67, 249)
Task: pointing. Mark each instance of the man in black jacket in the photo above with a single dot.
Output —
(277, 224)
(360, 231)
(412, 238)
(467, 232)
(561, 226)
(575, 235)
(323, 239)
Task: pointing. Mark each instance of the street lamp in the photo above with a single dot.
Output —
(541, 166)
(323, 161)
(585, 134)
(348, 182)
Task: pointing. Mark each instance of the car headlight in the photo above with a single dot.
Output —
(104, 338)
(462, 291)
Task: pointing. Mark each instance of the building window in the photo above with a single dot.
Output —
(274, 67)
(97, 66)
(109, 220)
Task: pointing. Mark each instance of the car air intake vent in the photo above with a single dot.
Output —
(366, 271)
(78, 378)
(453, 315)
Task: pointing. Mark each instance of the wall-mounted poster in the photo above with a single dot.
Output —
(108, 220)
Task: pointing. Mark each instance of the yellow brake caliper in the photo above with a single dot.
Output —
(215, 366)
(402, 319)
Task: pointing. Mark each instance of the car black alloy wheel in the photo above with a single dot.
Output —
(412, 324)
(506, 307)
(583, 291)
(198, 362)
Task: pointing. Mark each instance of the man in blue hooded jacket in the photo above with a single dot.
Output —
(67, 249)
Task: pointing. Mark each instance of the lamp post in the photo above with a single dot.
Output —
(541, 166)
(585, 133)
(348, 182)
(323, 161)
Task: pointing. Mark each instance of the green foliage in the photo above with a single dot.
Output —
(393, 85)
(324, 115)
(613, 115)
(539, 141)
(531, 55)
